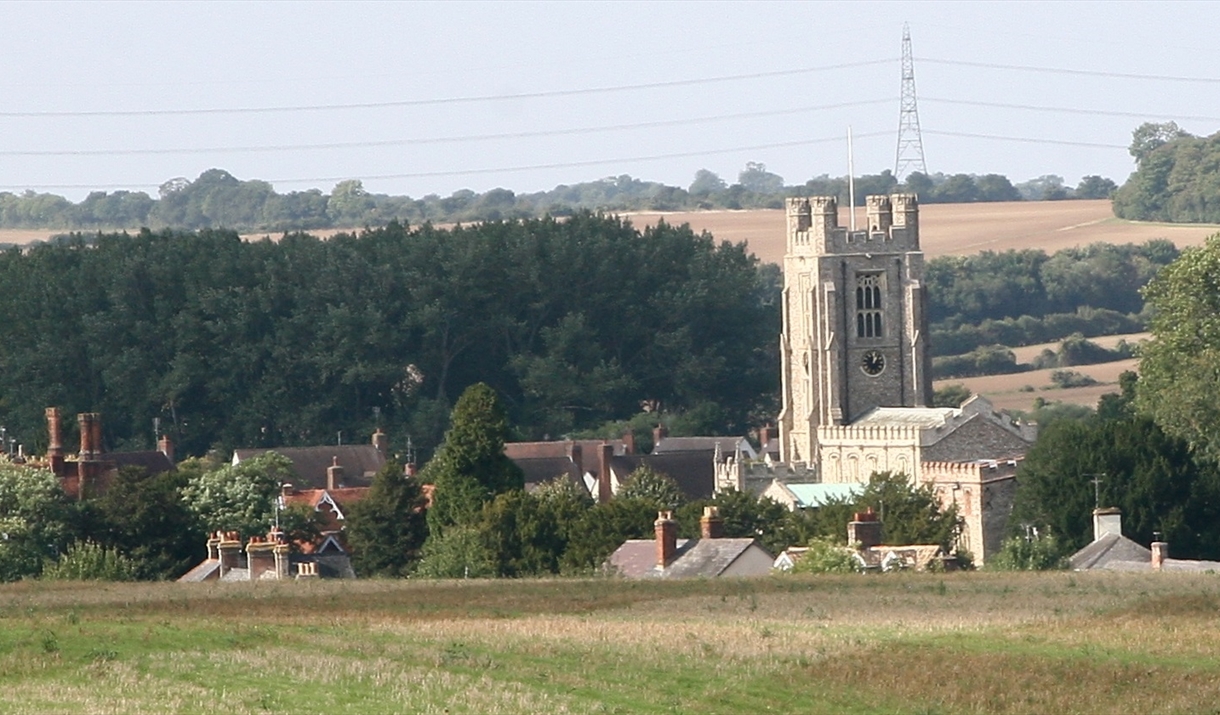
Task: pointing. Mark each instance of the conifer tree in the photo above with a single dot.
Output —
(470, 467)
(387, 529)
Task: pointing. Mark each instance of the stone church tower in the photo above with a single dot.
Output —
(855, 328)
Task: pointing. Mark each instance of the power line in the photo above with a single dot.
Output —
(1025, 140)
(1078, 72)
(1069, 110)
(445, 100)
(443, 140)
(509, 169)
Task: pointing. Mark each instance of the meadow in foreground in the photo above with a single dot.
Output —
(918, 643)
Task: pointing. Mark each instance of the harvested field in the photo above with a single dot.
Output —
(1029, 352)
(1005, 391)
(899, 643)
(959, 229)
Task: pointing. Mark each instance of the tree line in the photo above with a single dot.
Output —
(217, 199)
(1027, 297)
(231, 343)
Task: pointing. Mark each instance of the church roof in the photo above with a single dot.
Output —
(816, 495)
(922, 417)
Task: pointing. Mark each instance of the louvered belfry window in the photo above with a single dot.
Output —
(868, 306)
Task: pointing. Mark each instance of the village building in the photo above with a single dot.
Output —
(90, 471)
(1111, 551)
(709, 556)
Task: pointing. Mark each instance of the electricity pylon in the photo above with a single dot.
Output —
(909, 156)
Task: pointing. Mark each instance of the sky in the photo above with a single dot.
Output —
(430, 98)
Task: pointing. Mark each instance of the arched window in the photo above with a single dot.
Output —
(869, 323)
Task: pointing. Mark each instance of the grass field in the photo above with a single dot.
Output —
(909, 643)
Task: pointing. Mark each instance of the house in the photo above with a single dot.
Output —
(1111, 551)
(664, 444)
(709, 556)
(90, 471)
(578, 461)
(310, 465)
(266, 558)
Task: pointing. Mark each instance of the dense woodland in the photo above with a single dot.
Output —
(232, 343)
(217, 199)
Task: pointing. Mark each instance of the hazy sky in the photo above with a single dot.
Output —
(94, 95)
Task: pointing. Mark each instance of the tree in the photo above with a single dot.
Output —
(1095, 187)
(755, 178)
(1179, 384)
(143, 518)
(89, 561)
(470, 467)
(909, 514)
(951, 395)
(659, 490)
(1151, 136)
(743, 515)
(387, 529)
(460, 552)
(239, 498)
(1152, 477)
(706, 183)
(35, 520)
(604, 528)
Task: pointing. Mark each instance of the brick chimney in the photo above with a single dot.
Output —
(629, 442)
(334, 474)
(409, 469)
(85, 420)
(604, 492)
(228, 548)
(667, 537)
(165, 446)
(380, 441)
(260, 557)
(96, 427)
(711, 526)
(55, 441)
(213, 540)
(307, 569)
(1160, 552)
(765, 435)
(864, 530)
(658, 433)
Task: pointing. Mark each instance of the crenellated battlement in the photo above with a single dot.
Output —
(892, 225)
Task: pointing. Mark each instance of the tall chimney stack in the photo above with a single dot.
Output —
(658, 433)
(1160, 552)
(85, 420)
(55, 446)
(604, 492)
(667, 538)
(380, 441)
(334, 474)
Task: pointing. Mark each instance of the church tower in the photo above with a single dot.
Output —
(855, 332)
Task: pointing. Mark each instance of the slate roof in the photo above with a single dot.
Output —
(694, 558)
(201, 572)
(728, 445)
(546, 469)
(1118, 553)
(694, 472)
(561, 448)
(152, 461)
(1110, 549)
(359, 461)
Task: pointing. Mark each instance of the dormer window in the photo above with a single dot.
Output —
(868, 306)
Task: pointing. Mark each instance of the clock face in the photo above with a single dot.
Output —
(872, 363)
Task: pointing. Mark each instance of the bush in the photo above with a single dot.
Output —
(88, 561)
(1029, 553)
(1070, 378)
(460, 552)
(826, 556)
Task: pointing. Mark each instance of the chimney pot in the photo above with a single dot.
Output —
(334, 474)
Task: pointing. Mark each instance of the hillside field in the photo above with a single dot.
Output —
(1051, 642)
(958, 229)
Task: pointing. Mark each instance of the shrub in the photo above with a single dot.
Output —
(1029, 553)
(1070, 378)
(88, 561)
(826, 556)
